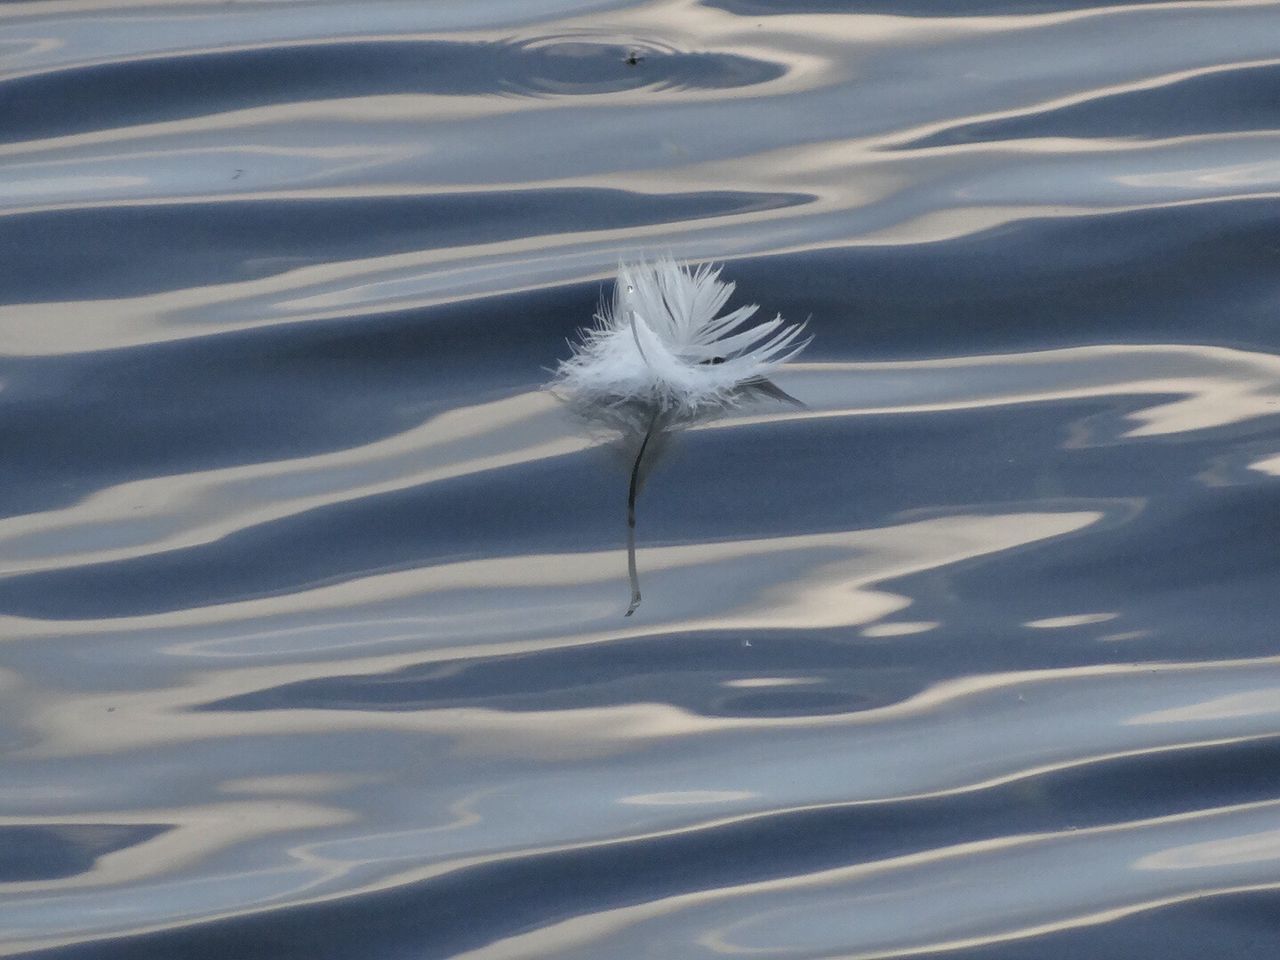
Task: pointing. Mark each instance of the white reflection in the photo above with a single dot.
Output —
(1239, 705)
(63, 186)
(1267, 465)
(1125, 636)
(686, 798)
(899, 628)
(1223, 852)
(290, 784)
(1072, 620)
(189, 834)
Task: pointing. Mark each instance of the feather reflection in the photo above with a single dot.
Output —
(640, 432)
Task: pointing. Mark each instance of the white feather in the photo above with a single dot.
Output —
(662, 341)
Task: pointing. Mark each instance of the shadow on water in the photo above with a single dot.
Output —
(66, 850)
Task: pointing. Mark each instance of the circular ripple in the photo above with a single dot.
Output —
(580, 65)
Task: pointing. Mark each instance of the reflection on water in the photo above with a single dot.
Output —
(310, 597)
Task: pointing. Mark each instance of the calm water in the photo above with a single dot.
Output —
(311, 597)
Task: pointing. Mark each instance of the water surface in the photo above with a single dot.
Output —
(311, 597)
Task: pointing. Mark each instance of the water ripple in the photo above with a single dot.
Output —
(311, 632)
(1226, 99)
(135, 91)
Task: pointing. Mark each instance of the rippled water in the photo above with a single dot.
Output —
(311, 597)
